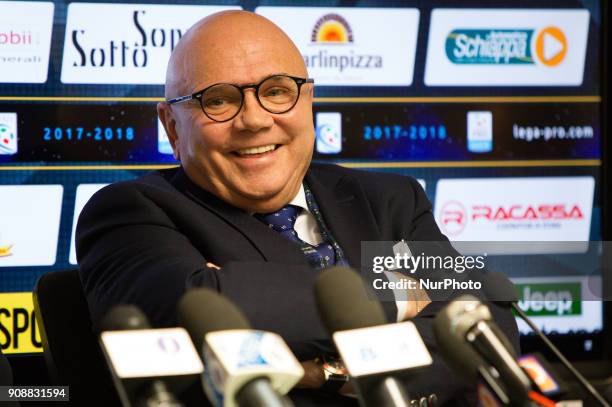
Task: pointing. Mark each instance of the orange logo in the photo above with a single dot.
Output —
(551, 46)
(332, 28)
(5, 251)
(543, 380)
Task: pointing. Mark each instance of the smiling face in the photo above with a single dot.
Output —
(257, 160)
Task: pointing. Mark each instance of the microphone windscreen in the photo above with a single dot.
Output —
(499, 289)
(124, 317)
(202, 310)
(461, 315)
(344, 303)
(457, 354)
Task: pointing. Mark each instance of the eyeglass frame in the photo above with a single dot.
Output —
(199, 95)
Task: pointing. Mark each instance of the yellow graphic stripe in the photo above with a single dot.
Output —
(77, 99)
(418, 99)
(87, 167)
(465, 99)
(476, 164)
(368, 164)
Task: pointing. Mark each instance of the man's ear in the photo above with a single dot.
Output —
(311, 91)
(166, 116)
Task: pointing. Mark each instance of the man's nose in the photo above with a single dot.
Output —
(252, 116)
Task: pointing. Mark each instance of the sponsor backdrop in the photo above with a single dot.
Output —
(495, 107)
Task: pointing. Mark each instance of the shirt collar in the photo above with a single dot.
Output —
(300, 199)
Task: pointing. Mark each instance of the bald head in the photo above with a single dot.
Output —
(228, 38)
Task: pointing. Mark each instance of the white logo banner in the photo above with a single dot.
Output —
(29, 224)
(125, 43)
(352, 46)
(486, 47)
(547, 209)
(25, 41)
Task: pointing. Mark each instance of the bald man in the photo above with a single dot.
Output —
(238, 113)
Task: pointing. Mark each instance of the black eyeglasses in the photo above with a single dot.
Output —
(222, 101)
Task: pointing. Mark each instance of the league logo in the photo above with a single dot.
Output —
(329, 132)
(8, 133)
(480, 132)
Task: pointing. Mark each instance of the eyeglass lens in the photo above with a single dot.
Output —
(276, 94)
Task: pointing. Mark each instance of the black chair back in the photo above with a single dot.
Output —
(71, 349)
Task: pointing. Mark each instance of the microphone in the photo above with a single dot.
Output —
(469, 321)
(500, 290)
(460, 357)
(244, 367)
(375, 353)
(139, 356)
(6, 377)
(467, 363)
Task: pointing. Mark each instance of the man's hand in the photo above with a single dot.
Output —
(417, 299)
(314, 378)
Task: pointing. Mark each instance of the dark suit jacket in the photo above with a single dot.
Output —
(146, 241)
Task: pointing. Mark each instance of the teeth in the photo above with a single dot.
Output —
(256, 150)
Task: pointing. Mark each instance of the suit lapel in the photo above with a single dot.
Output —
(272, 246)
(345, 211)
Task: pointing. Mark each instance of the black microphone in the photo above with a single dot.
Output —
(460, 357)
(375, 353)
(124, 318)
(500, 290)
(469, 321)
(244, 367)
(6, 377)
(126, 332)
